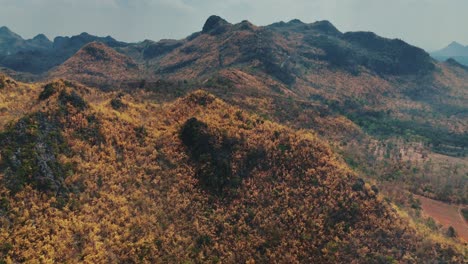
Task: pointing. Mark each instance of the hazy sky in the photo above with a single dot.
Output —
(430, 24)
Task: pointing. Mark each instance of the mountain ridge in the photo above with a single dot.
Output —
(64, 47)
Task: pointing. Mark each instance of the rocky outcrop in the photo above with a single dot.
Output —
(215, 25)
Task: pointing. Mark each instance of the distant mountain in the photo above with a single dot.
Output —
(246, 43)
(455, 51)
(39, 54)
(40, 41)
(11, 43)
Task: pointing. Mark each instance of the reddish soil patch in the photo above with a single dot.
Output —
(446, 214)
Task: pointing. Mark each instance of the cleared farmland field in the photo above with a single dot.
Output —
(446, 214)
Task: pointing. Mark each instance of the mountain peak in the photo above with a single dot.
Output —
(326, 26)
(296, 21)
(246, 25)
(4, 29)
(41, 37)
(455, 44)
(454, 49)
(6, 32)
(215, 25)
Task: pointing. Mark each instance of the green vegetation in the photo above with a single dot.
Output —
(30, 154)
(382, 125)
(219, 82)
(73, 98)
(48, 91)
(380, 55)
(117, 104)
(464, 212)
(451, 232)
(214, 158)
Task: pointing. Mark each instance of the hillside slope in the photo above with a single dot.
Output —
(94, 179)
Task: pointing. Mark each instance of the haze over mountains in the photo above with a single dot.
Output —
(23, 55)
(288, 143)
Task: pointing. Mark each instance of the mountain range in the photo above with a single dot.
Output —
(287, 143)
(38, 55)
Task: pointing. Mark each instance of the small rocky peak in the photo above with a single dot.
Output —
(215, 25)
